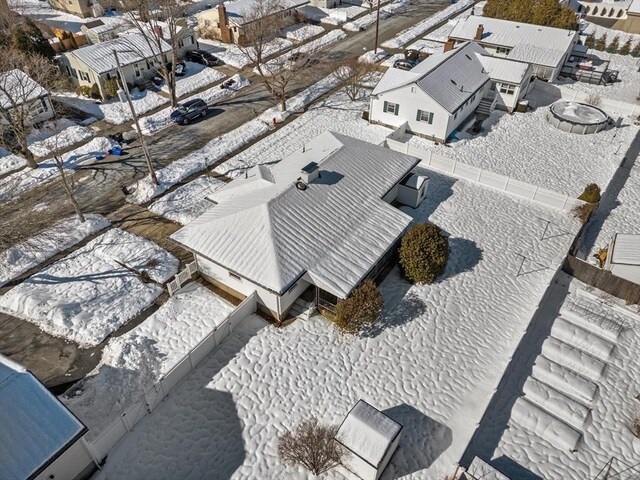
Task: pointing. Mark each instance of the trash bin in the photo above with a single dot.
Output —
(116, 151)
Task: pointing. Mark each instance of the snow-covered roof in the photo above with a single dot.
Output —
(531, 43)
(236, 11)
(449, 78)
(270, 232)
(131, 48)
(16, 88)
(481, 470)
(368, 433)
(634, 8)
(504, 70)
(35, 427)
(626, 249)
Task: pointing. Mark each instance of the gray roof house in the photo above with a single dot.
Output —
(320, 217)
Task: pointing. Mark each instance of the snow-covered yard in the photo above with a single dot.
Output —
(95, 290)
(231, 54)
(432, 364)
(159, 120)
(17, 183)
(65, 234)
(61, 141)
(332, 16)
(188, 202)
(526, 147)
(598, 31)
(133, 362)
(114, 111)
(10, 162)
(301, 32)
(366, 21)
(197, 76)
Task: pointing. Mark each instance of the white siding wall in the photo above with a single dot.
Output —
(388, 456)
(361, 468)
(68, 465)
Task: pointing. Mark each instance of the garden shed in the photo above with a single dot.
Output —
(370, 438)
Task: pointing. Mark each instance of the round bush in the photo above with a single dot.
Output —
(424, 253)
(591, 194)
(360, 310)
(111, 87)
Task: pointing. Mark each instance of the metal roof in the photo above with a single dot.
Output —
(16, 88)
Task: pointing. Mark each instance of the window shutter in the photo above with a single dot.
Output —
(418, 115)
(397, 107)
(431, 118)
(384, 107)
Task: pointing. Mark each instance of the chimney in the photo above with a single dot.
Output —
(225, 31)
(479, 32)
(158, 31)
(448, 45)
(309, 172)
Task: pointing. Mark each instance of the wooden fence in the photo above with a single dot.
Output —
(602, 279)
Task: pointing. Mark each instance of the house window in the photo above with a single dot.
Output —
(235, 277)
(391, 108)
(37, 108)
(455, 115)
(473, 97)
(136, 69)
(507, 89)
(413, 89)
(84, 76)
(503, 50)
(426, 117)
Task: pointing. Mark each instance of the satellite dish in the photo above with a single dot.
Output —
(300, 185)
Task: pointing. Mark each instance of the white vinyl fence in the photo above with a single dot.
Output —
(101, 445)
(489, 179)
(182, 277)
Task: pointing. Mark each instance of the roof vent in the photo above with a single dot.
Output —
(454, 82)
(309, 172)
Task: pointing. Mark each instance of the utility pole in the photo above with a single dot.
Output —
(143, 143)
(375, 49)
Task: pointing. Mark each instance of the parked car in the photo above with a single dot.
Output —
(189, 110)
(203, 58)
(404, 64)
(181, 68)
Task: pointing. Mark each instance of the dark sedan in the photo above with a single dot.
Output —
(202, 57)
(189, 110)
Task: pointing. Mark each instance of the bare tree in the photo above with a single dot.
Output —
(68, 184)
(23, 80)
(352, 74)
(159, 22)
(263, 23)
(311, 445)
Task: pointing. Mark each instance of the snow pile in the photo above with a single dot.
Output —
(366, 21)
(247, 392)
(114, 111)
(371, 57)
(65, 234)
(419, 28)
(152, 123)
(133, 362)
(188, 202)
(61, 141)
(232, 54)
(388, 62)
(339, 15)
(17, 183)
(93, 291)
(526, 147)
(10, 162)
(197, 76)
(427, 46)
(301, 32)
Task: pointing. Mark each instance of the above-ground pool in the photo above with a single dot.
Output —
(577, 117)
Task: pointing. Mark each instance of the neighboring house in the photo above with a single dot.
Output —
(320, 221)
(81, 8)
(623, 15)
(623, 257)
(326, 3)
(440, 93)
(97, 31)
(39, 437)
(546, 49)
(97, 63)
(22, 96)
(185, 34)
(229, 21)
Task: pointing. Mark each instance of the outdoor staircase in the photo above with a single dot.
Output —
(485, 107)
(301, 308)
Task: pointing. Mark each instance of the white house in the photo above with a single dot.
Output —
(546, 49)
(440, 93)
(370, 438)
(320, 218)
(623, 257)
(39, 438)
(22, 98)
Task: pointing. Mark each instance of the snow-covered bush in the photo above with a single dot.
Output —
(312, 446)
(360, 310)
(424, 253)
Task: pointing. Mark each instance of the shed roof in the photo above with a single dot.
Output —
(626, 249)
(237, 11)
(270, 232)
(16, 88)
(479, 469)
(368, 432)
(35, 427)
(131, 48)
(531, 43)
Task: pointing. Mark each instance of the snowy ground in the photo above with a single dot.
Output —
(188, 202)
(614, 215)
(159, 120)
(598, 31)
(366, 21)
(302, 32)
(22, 257)
(591, 347)
(197, 76)
(43, 12)
(17, 183)
(61, 141)
(95, 290)
(526, 147)
(233, 56)
(332, 16)
(627, 89)
(427, 46)
(10, 162)
(432, 364)
(371, 57)
(114, 111)
(133, 362)
(419, 28)
(441, 34)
